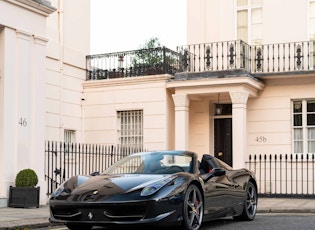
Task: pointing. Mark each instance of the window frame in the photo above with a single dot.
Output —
(251, 5)
(130, 132)
(304, 126)
(69, 133)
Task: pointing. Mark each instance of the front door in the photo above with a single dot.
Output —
(223, 139)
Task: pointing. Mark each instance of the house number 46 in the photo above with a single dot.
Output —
(23, 122)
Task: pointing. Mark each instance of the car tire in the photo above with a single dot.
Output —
(192, 208)
(250, 204)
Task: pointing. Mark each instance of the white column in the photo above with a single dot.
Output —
(37, 114)
(239, 121)
(181, 102)
(24, 88)
(9, 121)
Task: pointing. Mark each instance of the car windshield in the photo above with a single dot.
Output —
(153, 163)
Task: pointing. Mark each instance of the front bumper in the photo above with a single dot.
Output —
(160, 213)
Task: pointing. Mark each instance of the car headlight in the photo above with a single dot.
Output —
(59, 190)
(69, 185)
(154, 187)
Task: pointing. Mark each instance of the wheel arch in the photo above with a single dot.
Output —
(199, 186)
(251, 179)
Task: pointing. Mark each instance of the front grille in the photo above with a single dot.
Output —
(123, 212)
(106, 212)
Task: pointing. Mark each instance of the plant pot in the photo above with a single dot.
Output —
(24, 197)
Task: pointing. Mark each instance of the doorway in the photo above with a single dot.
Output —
(223, 139)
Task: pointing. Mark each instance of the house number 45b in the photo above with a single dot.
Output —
(261, 139)
(23, 122)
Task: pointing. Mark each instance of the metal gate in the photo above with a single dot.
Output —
(64, 160)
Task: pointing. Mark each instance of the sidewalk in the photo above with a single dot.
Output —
(19, 218)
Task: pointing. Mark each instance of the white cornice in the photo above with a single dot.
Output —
(126, 81)
(38, 6)
(217, 81)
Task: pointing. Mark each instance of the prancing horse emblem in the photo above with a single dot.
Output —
(90, 216)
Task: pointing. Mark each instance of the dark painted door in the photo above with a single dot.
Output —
(223, 139)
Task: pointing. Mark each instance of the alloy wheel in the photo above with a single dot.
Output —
(193, 208)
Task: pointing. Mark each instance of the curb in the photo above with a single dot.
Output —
(279, 211)
(30, 223)
(27, 224)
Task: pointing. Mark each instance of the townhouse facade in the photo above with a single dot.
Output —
(42, 65)
(243, 84)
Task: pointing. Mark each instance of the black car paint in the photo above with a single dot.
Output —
(224, 195)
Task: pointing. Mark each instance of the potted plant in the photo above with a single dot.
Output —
(24, 194)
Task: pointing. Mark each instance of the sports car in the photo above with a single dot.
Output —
(159, 188)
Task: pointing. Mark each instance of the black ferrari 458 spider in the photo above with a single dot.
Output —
(159, 188)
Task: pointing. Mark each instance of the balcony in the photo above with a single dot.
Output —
(160, 60)
(206, 57)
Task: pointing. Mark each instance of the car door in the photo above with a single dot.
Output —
(222, 194)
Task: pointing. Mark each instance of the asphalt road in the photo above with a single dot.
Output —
(264, 222)
(261, 222)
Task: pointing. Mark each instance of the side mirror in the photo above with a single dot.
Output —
(95, 173)
(215, 172)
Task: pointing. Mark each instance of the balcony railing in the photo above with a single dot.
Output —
(216, 56)
(160, 60)
(270, 58)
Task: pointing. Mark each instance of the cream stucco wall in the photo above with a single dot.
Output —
(69, 43)
(210, 21)
(270, 115)
(103, 98)
(199, 126)
(290, 25)
(215, 20)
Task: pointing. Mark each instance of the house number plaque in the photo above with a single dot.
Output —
(261, 139)
(23, 121)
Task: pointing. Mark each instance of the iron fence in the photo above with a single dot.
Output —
(160, 60)
(276, 175)
(284, 174)
(64, 160)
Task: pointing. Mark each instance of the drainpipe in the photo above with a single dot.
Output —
(60, 40)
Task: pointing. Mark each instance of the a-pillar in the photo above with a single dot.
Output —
(181, 102)
(239, 100)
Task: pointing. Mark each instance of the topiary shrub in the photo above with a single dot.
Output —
(26, 178)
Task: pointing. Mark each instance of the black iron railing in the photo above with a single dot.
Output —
(64, 160)
(269, 58)
(160, 60)
(276, 175)
(215, 56)
(287, 174)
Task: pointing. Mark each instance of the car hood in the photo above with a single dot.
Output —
(106, 187)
